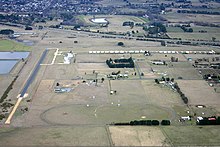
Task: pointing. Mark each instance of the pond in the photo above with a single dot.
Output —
(7, 65)
(99, 20)
(9, 59)
(13, 55)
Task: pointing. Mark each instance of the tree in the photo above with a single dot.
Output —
(213, 39)
(190, 30)
(6, 32)
(168, 79)
(102, 80)
(165, 122)
(76, 27)
(28, 28)
(163, 43)
(157, 81)
(120, 44)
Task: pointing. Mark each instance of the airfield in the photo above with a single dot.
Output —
(85, 114)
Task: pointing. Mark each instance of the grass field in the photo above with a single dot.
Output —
(54, 136)
(174, 29)
(179, 17)
(196, 36)
(8, 45)
(193, 135)
(115, 23)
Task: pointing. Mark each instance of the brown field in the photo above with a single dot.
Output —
(202, 94)
(138, 136)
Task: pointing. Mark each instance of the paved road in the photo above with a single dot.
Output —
(33, 74)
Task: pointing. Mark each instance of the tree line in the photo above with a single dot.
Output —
(198, 12)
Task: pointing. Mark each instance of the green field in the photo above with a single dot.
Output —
(174, 29)
(115, 23)
(8, 45)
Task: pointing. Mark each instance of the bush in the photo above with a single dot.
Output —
(122, 124)
(2, 116)
(6, 32)
(157, 81)
(120, 44)
(28, 28)
(155, 122)
(165, 122)
(148, 122)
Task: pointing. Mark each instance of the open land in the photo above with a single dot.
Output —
(84, 116)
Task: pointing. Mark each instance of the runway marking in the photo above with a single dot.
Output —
(8, 121)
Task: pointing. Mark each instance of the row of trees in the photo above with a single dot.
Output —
(120, 63)
(193, 43)
(198, 12)
(145, 123)
(182, 95)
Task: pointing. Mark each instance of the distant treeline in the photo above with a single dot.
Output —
(198, 12)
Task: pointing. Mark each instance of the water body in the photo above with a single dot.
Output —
(9, 59)
(13, 55)
(99, 20)
(7, 65)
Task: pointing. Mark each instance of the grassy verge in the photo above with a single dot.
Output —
(8, 45)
